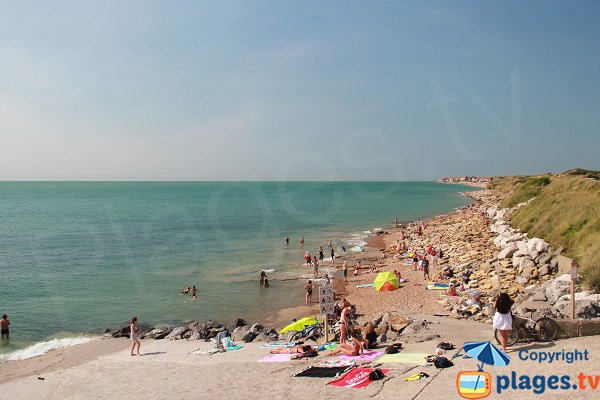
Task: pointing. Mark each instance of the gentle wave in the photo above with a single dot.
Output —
(41, 348)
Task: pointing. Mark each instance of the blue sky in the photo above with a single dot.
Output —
(311, 90)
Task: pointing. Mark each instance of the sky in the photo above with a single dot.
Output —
(303, 90)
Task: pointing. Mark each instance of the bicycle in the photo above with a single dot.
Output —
(543, 329)
(313, 332)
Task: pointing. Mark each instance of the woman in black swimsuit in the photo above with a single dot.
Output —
(309, 288)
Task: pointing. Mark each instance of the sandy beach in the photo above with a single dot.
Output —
(104, 369)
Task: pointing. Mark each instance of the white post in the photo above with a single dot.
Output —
(573, 280)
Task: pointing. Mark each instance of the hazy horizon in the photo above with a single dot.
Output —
(283, 91)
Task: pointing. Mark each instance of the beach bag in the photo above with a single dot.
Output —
(445, 346)
(442, 362)
(393, 348)
(227, 342)
(376, 375)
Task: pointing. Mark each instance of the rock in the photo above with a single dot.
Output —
(157, 333)
(398, 323)
(177, 333)
(554, 264)
(121, 332)
(526, 263)
(262, 337)
(544, 258)
(586, 309)
(248, 337)
(195, 336)
(539, 296)
(558, 287)
(507, 252)
(256, 328)
(381, 329)
(236, 323)
(530, 272)
(241, 331)
(545, 269)
(382, 338)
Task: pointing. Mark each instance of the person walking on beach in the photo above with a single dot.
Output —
(262, 278)
(309, 288)
(301, 241)
(503, 318)
(4, 324)
(415, 262)
(345, 270)
(332, 256)
(321, 254)
(315, 267)
(425, 267)
(134, 329)
(194, 292)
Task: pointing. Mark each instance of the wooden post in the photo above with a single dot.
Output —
(396, 224)
(573, 279)
(326, 330)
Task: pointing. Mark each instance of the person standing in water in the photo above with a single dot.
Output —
(315, 266)
(321, 254)
(332, 256)
(194, 292)
(262, 278)
(301, 241)
(4, 324)
(287, 240)
(134, 329)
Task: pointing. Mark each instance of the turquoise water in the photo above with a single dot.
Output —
(83, 256)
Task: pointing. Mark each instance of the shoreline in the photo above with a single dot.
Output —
(284, 315)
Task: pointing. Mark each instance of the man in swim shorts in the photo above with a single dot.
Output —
(4, 324)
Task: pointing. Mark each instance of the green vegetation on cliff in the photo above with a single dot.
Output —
(565, 212)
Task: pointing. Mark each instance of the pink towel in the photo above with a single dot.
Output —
(275, 358)
(367, 356)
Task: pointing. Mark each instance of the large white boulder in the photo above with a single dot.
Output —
(507, 252)
(558, 288)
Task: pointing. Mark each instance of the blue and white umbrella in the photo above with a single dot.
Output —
(486, 353)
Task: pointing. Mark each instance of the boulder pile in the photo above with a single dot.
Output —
(239, 331)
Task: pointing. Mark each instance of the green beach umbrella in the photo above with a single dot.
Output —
(386, 282)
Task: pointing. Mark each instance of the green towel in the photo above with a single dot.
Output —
(403, 358)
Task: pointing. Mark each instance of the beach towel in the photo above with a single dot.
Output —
(327, 346)
(438, 286)
(338, 363)
(408, 263)
(403, 358)
(367, 356)
(275, 358)
(273, 345)
(366, 285)
(206, 352)
(234, 347)
(323, 372)
(356, 378)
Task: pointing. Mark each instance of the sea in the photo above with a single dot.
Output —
(77, 258)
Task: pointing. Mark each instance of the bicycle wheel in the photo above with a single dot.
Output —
(546, 329)
(513, 336)
(296, 336)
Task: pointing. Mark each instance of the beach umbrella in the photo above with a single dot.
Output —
(386, 282)
(486, 353)
(299, 325)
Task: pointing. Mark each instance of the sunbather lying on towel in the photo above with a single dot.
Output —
(296, 351)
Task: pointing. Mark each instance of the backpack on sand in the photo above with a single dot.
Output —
(376, 375)
(442, 362)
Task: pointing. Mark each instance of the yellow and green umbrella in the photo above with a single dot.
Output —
(386, 282)
(299, 325)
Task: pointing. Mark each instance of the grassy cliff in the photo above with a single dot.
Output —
(565, 212)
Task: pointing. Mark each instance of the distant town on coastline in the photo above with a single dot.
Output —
(473, 179)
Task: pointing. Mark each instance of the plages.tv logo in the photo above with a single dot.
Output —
(478, 384)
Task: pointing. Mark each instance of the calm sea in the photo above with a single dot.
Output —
(82, 256)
